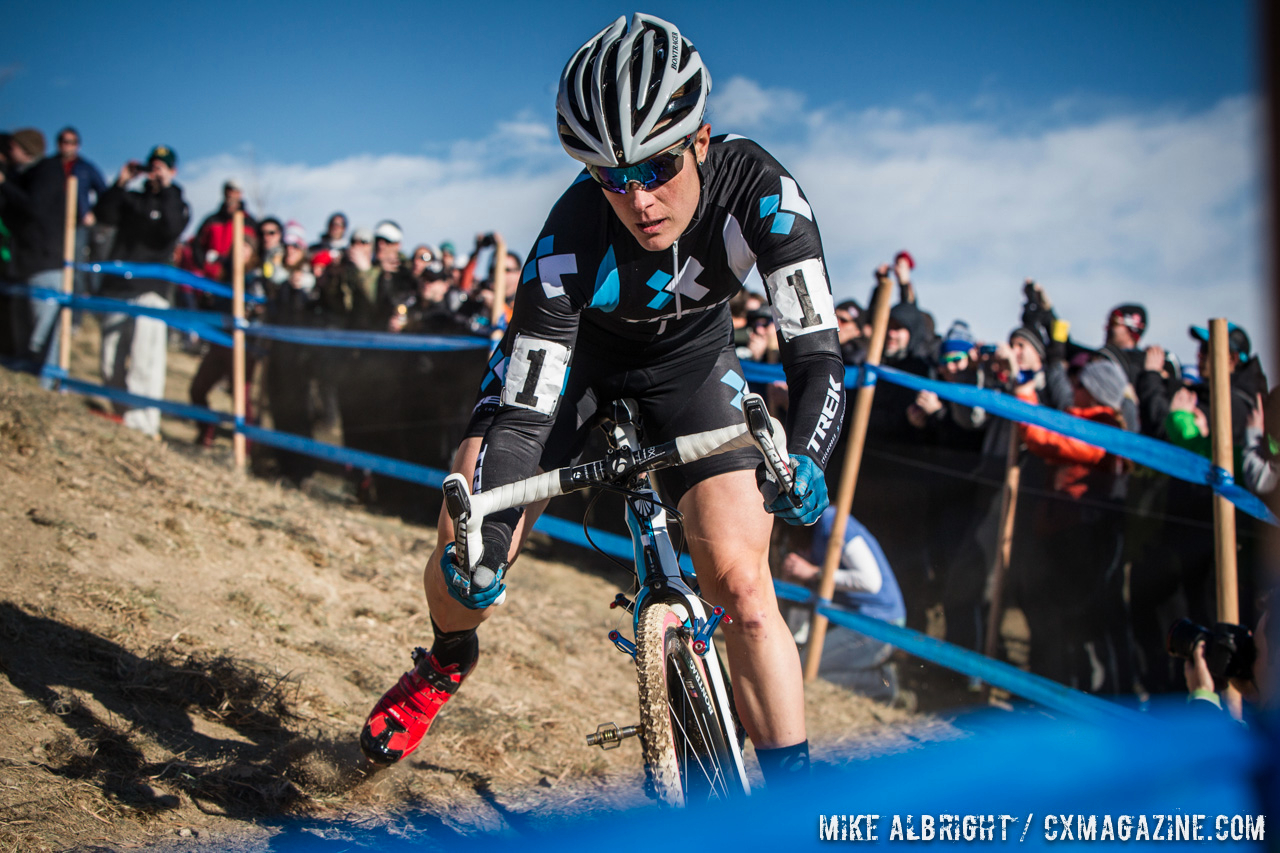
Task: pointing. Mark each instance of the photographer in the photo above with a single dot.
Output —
(149, 221)
(1227, 655)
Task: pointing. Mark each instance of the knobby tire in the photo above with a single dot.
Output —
(686, 754)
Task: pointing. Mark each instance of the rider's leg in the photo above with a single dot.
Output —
(727, 530)
(404, 714)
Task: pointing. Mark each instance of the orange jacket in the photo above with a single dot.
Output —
(1073, 460)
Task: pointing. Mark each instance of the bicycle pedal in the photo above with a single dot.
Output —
(609, 736)
(623, 644)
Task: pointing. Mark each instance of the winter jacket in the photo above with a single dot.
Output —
(211, 247)
(148, 224)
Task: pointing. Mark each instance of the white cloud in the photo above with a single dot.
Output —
(505, 182)
(1159, 207)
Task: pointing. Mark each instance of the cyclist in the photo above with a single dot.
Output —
(629, 283)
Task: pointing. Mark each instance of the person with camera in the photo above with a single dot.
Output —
(149, 220)
(1221, 656)
(628, 294)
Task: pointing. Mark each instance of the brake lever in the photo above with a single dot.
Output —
(760, 425)
(457, 500)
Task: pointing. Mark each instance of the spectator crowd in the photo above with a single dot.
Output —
(1105, 554)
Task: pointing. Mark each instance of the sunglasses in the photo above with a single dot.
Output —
(650, 174)
(269, 232)
(359, 242)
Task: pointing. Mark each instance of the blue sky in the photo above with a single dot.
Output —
(1106, 149)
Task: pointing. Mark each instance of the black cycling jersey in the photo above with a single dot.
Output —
(590, 287)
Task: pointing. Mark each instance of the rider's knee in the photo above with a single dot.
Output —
(750, 603)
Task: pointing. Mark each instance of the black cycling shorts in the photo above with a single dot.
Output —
(688, 391)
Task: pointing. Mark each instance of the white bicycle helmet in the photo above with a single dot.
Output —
(628, 94)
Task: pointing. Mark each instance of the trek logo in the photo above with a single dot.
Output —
(549, 268)
(830, 408)
(785, 207)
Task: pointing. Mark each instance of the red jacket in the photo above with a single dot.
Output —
(211, 247)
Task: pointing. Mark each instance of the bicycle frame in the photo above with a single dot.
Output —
(660, 577)
(657, 567)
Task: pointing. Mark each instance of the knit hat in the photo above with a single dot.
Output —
(164, 154)
(1031, 336)
(957, 342)
(1105, 382)
(30, 140)
(1132, 316)
(295, 235)
(447, 246)
(362, 235)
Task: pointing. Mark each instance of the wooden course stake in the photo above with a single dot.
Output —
(237, 336)
(848, 477)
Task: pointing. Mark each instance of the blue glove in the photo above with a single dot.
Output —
(476, 593)
(810, 488)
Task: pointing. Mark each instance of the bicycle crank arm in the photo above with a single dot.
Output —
(609, 736)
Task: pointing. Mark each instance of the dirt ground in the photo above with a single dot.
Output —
(187, 654)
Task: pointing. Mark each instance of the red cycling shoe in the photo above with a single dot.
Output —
(397, 724)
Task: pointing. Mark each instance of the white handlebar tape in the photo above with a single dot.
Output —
(519, 493)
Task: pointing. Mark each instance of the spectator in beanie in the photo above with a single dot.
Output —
(148, 222)
(1078, 618)
(291, 368)
(950, 423)
(449, 257)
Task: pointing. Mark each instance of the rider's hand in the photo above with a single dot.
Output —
(481, 591)
(810, 488)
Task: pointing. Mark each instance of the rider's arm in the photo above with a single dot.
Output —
(536, 350)
(780, 230)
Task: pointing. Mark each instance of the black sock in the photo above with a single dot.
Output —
(784, 765)
(455, 647)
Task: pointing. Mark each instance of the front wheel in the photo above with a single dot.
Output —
(687, 756)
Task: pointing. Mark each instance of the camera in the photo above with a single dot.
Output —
(1229, 649)
(485, 241)
(987, 349)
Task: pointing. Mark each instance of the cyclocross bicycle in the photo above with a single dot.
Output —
(688, 728)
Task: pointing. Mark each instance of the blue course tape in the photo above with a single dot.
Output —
(368, 340)
(1153, 453)
(346, 456)
(127, 270)
(1034, 687)
(178, 410)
